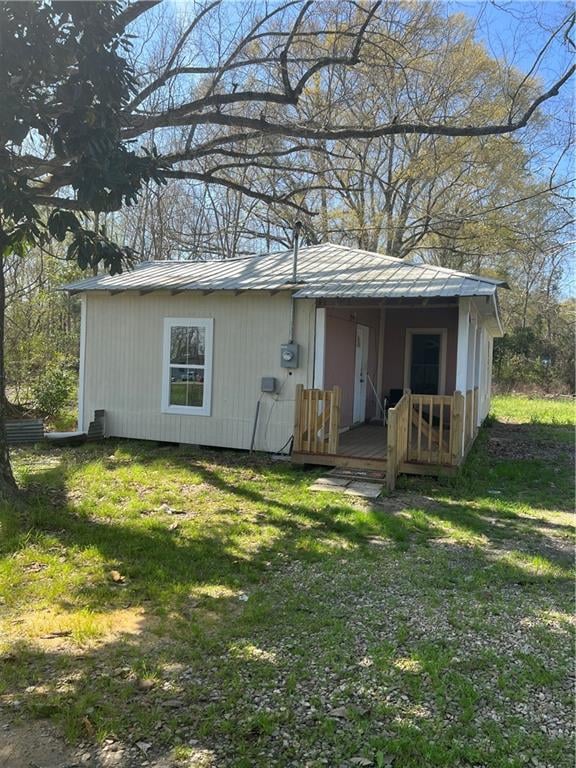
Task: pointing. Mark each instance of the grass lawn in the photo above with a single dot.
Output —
(528, 410)
(196, 608)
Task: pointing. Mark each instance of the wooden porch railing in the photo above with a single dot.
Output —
(430, 429)
(317, 422)
(397, 438)
(433, 430)
(430, 434)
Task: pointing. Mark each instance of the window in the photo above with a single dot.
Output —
(187, 374)
(425, 365)
(425, 361)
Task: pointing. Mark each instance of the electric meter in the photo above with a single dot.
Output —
(289, 355)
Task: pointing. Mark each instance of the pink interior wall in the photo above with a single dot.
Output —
(397, 321)
(340, 351)
(340, 355)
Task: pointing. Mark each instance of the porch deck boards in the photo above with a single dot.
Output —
(365, 448)
(362, 448)
(367, 441)
(427, 431)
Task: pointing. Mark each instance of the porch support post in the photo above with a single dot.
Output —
(82, 362)
(472, 363)
(462, 358)
(490, 363)
(472, 350)
(380, 368)
(319, 347)
(462, 347)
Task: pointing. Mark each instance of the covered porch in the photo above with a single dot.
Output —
(399, 386)
(423, 434)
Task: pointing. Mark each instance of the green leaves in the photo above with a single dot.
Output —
(90, 249)
(65, 78)
(60, 223)
(107, 180)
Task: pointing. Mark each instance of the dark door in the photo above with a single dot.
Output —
(425, 363)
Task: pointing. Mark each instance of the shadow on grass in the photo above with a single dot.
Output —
(508, 499)
(163, 564)
(98, 692)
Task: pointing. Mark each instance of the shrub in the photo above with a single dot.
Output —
(52, 390)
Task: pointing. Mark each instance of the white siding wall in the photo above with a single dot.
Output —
(485, 375)
(123, 374)
(474, 354)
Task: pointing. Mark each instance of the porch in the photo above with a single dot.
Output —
(399, 385)
(422, 434)
(361, 447)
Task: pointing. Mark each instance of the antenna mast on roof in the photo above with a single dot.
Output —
(296, 241)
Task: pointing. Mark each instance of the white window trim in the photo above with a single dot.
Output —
(410, 332)
(188, 410)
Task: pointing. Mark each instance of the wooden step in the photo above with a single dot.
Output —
(357, 474)
(336, 460)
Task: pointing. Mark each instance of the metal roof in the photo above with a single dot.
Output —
(324, 271)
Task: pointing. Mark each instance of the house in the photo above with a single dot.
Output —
(357, 358)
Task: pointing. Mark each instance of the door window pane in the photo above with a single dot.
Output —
(425, 365)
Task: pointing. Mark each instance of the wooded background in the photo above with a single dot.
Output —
(493, 204)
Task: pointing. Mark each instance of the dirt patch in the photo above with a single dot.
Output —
(34, 744)
(518, 441)
(72, 632)
(38, 745)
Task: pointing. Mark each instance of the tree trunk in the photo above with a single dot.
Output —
(8, 487)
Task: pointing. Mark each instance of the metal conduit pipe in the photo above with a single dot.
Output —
(296, 246)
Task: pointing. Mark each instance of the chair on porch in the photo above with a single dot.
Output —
(390, 401)
(394, 397)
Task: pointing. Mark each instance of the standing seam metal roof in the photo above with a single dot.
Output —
(324, 271)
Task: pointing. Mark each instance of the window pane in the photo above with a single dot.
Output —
(425, 364)
(187, 387)
(187, 345)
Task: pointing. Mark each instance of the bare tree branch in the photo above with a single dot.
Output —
(160, 81)
(131, 13)
(208, 178)
(174, 117)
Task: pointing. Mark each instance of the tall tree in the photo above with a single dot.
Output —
(84, 128)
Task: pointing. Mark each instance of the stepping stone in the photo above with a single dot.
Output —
(336, 484)
(366, 490)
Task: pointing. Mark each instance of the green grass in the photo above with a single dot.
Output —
(265, 625)
(527, 410)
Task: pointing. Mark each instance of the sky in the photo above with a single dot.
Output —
(518, 31)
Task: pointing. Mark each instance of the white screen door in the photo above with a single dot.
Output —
(361, 373)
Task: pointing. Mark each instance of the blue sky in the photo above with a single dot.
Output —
(518, 30)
